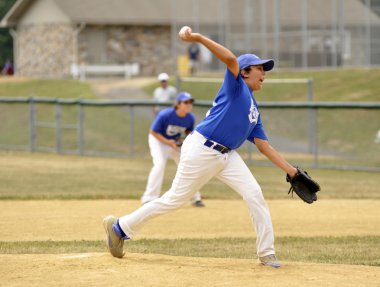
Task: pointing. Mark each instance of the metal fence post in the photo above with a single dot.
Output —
(32, 125)
(304, 34)
(81, 128)
(263, 27)
(248, 23)
(315, 122)
(368, 32)
(310, 98)
(58, 116)
(131, 130)
(174, 36)
(221, 12)
(276, 32)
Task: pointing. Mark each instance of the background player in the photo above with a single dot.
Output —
(194, 52)
(163, 93)
(167, 133)
(210, 151)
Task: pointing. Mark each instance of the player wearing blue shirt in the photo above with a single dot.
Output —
(210, 151)
(234, 116)
(168, 130)
(171, 125)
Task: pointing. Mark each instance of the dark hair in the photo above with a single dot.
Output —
(246, 69)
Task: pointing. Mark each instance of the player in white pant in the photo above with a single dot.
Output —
(168, 130)
(210, 152)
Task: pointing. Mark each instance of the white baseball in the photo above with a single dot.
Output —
(184, 29)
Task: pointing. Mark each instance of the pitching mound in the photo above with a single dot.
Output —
(100, 269)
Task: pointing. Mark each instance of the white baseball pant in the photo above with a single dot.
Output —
(160, 153)
(198, 164)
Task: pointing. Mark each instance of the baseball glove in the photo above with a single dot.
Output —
(181, 138)
(304, 186)
(179, 142)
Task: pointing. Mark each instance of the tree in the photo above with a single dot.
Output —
(6, 42)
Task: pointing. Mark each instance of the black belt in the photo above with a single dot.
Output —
(216, 146)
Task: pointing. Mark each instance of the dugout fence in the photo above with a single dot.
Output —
(344, 135)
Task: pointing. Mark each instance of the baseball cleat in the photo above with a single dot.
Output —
(198, 203)
(270, 260)
(114, 241)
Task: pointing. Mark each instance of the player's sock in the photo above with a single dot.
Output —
(117, 228)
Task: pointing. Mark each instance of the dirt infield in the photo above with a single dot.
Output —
(100, 269)
(81, 219)
(13, 79)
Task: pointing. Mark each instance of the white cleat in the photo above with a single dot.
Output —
(270, 260)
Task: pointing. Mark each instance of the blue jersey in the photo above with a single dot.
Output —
(171, 126)
(234, 116)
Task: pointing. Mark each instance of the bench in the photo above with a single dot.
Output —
(81, 71)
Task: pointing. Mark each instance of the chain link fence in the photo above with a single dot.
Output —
(297, 33)
(342, 135)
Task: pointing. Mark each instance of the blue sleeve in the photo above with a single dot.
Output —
(158, 124)
(231, 84)
(258, 131)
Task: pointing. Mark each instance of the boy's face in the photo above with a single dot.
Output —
(185, 106)
(255, 78)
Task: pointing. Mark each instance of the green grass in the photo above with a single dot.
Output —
(48, 176)
(15, 129)
(349, 134)
(101, 124)
(106, 128)
(332, 85)
(354, 250)
(329, 85)
(47, 88)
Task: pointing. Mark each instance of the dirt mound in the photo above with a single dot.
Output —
(100, 269)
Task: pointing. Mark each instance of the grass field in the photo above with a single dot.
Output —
(342, 131)
(348, 141)
(52, 207)
(68, 89)
(48, 176)
(329, 85)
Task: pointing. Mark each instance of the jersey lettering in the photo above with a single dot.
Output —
(209, 111)
(172, 130)
(253, 113)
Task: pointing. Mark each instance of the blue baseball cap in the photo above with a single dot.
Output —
(183, 97)
(247, 60)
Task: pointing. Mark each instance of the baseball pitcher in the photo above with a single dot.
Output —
(210, 151)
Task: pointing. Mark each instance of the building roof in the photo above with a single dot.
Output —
(210, 12)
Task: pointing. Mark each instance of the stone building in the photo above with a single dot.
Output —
(51, 35)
